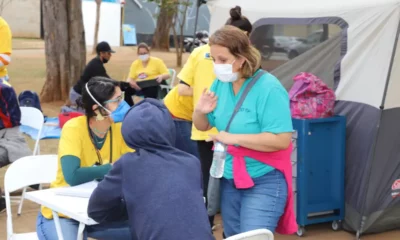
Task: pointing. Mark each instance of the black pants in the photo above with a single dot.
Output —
(129, 93)
(206, 156)
(149, 92)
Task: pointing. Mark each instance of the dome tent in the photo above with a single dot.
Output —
(365, 72)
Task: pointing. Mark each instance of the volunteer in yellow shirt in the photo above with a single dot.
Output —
(87, 149)
(5, 48)
(181, 109)
(147, 68)
(196, 75)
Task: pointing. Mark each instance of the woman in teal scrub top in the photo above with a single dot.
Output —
(263, 123)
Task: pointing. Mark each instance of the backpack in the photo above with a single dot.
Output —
(29, 99)
(310, 97)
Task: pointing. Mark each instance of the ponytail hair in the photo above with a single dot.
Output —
(239, 21)
(236, 13)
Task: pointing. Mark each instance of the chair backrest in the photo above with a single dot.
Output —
(259, 234)
(28, 171)
(171, 80)
(33, 117)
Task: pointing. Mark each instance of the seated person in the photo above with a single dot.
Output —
(88, 147)
(181, 109)
(146, 68)
(12, 143)
(158, 187)
(94, 68)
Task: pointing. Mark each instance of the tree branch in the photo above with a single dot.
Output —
(3, 4)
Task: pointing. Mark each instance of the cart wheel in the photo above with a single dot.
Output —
(301, 231)
(336, 225)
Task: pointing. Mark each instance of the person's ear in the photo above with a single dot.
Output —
(99, 116)
(241, 61)
(94, 107)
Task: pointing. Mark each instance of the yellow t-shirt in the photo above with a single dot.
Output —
(75, 141)
(155, 67)
(179, 106)
(198, 73)
(5, 45)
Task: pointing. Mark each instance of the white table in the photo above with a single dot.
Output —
(73, 207)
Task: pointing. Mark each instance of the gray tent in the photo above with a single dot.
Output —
(362, 62)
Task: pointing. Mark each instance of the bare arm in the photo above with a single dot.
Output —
(185, 90)
(165, 76)
(200, 121)
(263, 142)
(133, 83)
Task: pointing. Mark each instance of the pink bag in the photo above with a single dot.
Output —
(310, 97)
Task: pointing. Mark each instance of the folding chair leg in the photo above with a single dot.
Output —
(21, 202)
(80, 231)
(58, 226)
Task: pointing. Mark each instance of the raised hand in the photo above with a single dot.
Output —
(207, 102)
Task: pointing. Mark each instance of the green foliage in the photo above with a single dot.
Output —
(169, 6)
(176, 9)
(172, 7)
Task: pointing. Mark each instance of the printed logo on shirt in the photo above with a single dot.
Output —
(245, 110)
(396, 188)
(142, 75)
(207, 56)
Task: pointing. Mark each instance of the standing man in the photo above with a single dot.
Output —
(5, 48)
(95, 68)
(197, 74)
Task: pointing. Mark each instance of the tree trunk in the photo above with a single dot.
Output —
(162, 31)
(65, 47)
(96, 26)
(178, 39)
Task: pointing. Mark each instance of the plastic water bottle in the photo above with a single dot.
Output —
(218, 163)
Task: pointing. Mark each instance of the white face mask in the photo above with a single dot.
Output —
(224, 72)
(144, 57)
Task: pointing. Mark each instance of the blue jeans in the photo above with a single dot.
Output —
(46, 230)
(182, 141)
(258, 207)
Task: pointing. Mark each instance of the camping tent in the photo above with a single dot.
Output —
(365, 71)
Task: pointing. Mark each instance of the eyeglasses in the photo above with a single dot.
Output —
(117, 99)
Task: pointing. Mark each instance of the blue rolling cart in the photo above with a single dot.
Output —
(320, 171)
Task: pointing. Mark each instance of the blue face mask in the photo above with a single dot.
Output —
(119, 113)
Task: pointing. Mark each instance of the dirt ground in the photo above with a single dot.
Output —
(27, 72)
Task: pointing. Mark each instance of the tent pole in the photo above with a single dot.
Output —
(325, 33)
(396, 40)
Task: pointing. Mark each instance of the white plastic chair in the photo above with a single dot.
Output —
(31, 117)
(24, 172)
(170, 81)
(259, 234)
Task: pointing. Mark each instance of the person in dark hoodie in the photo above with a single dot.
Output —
(158, 188)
